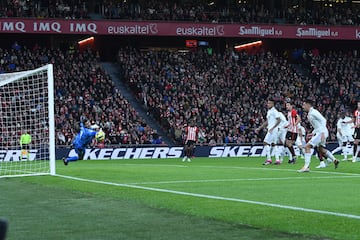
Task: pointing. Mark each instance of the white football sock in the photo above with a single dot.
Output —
(277, 152)
(307, 160)
(267, 152)
(345, 151)
(336, 150)
(329, 155)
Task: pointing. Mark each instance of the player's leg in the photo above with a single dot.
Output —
(268, 141)
(290, 138)
(185, 152)
(340, 145)
(279, 154)
(190, 151)
(350, 140)
(300, 144)
(80, 152)
(355, 147)
(25, 152)
(321, 156)
(307, 157)
(351, 147)
(267, 151)
(356, 143)
(344, 150)
(278, 148)
(326, 153)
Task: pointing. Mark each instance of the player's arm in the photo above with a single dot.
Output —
(278, 121)
(349, 121)
(354, 121)
(261, 126)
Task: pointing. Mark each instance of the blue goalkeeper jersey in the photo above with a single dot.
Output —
(84, 137)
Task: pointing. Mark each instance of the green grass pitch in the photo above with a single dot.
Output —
(209, 198)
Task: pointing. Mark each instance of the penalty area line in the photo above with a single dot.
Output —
(214, 197)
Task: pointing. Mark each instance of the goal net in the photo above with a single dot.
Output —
(27, 131)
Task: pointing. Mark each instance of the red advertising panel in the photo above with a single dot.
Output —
(105, 27)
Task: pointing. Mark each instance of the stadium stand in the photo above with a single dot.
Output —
(68, 9)
(235, 11)
(226, 92)
(82, 87)
(319, 12)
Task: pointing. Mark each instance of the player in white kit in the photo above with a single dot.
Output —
(345, 131)
(281, 137)
(272, 123)
(320, 134)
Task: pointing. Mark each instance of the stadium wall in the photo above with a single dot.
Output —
(149, 152)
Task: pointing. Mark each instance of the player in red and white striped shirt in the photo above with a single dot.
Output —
(292, 130)
(357, 132)
(191, 139)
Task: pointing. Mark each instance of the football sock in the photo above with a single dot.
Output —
(307, 160)
(267, 152)
(355, 150)
(292, 151)
(344, 151)
(328, 154)
(277, 152)
(337, 150)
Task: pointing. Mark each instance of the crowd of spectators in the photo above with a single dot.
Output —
(237, 11)
(82, 88)
(324, 13)
(68, 9)
(226, 92)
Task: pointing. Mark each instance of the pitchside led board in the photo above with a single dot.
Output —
(196, 43)
(152, 152)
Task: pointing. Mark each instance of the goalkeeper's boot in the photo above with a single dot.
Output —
(65, 161)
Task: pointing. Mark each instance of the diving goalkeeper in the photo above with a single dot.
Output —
(81, 141)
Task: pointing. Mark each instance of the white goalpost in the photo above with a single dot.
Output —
(27, 128)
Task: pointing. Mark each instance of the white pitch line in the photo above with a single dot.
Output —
(242, 179)
(236, 167)
(153, 165)
(277, 169)
(215, 197)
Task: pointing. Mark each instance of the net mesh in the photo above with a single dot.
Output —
(24, 123)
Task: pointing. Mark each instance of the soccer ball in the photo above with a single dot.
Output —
(100, 136)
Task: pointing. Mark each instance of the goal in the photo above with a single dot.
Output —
(27, 128)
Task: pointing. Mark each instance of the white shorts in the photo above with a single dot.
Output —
(271, 138)
(315, 141)
(347, 138)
